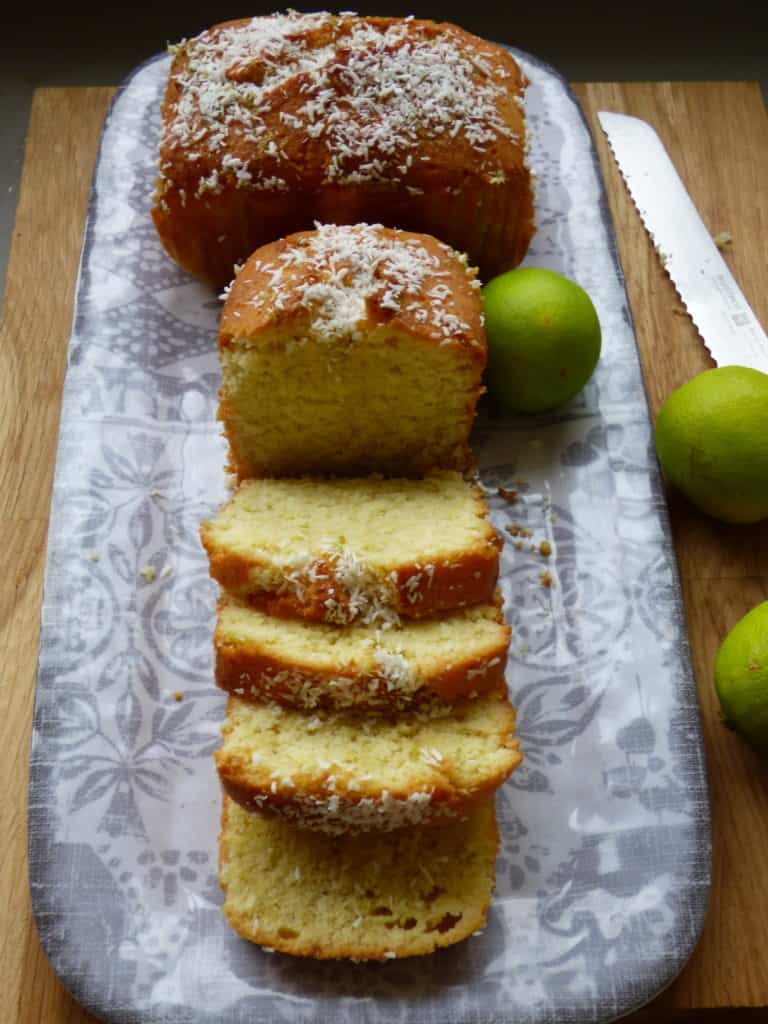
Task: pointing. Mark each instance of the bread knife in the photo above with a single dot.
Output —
(713, 300)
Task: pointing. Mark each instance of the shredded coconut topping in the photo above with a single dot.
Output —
(395, 668)
(337, 815)
(380, 693)
(338, 271)
(353, 592)
(368, 93)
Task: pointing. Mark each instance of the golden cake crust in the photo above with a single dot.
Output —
(466, 579)
(270, 124)
(271, 289)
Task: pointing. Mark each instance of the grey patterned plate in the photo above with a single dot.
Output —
(604, 868)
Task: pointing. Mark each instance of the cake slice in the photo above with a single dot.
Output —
(366, 897)
(313, 664)
(351, 350)
(368, 550)
(351, 772)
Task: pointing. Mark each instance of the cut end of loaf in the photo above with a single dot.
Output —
(351, 350)
(363, 897)
(394, 406)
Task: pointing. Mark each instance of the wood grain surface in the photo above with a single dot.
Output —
(717, 134)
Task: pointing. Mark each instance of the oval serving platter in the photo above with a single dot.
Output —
(603, 873)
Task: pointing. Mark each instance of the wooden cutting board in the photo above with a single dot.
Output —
(717, 134)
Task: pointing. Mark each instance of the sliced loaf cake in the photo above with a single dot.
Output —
(366, 897)
(349, 772)
(369, 550)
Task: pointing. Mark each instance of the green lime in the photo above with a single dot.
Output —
(543, 338)
(741, 677)
(712, 442)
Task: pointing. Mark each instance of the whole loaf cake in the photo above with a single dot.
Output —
(270, 124)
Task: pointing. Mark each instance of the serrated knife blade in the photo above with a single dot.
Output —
(714, 301)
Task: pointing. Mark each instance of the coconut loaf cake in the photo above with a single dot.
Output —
(346, 772)
(368, 550)
(310, 665)
(364, 897)
(272, 123)
(349, 351)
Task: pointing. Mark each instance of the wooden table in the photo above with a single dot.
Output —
(717, 134)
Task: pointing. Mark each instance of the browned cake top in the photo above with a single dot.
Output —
(341, 281)
(319, 99)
